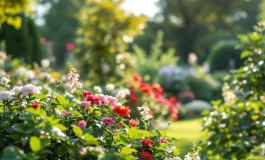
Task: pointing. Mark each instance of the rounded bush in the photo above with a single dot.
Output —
(225, 56)
(203, 86)
(197, 106)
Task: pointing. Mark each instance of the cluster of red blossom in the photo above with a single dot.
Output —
(155, 92)
(102, 99)
(147, 144)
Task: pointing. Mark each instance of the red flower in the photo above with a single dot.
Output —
(93, 99)
(157, 88)
(174, 117)
(19, 144)
(35, 105)
(122, 110)
(120, 124)
(133, 123)
(137, 78)
(86, 93)
(146, 89)
(146, 156)
(147, 143)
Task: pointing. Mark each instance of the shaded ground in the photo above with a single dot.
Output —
(185, 132)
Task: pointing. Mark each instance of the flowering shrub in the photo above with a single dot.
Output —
(36, 124)
(237, 125)
(153, 95)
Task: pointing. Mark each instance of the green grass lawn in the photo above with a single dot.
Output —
(185, 132)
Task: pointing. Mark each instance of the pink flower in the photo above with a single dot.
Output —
(85, 103)
(82, 124)
(63, 112)
(70, 46)
(109, 121)
(163, 140)
(112, 101)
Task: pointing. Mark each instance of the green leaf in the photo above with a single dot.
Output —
(77, 131)
(133, 131)
(87, 130)
(61, 127)
(62, 150)
(147, 134)
(62, 100)
(245, 54)
(45, 143)
(90, 140)
(124, 139)
(35, 144)
(126, 150)
(13, 153)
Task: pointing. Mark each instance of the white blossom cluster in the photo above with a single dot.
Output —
(25, 90)
(145, 112)
(73, 79)
(229, 96)
(4, 82)
(24, 73)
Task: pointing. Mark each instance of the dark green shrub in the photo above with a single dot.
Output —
(197, 107)
(202, 85)
(24, 42)
(222, 54)
(236, 125)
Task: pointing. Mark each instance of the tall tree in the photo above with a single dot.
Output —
(10, 10)
(105, 31)
(189, 20)
(23, 42)
(60, 25)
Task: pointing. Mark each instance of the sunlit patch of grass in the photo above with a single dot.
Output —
(185, 132)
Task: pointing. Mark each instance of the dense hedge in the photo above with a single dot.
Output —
(221, 55)
(23, 42)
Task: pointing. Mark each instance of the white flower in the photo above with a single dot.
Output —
(29, 75)
(97, 89)
(192, 58)
(73, 79)
(229, 96)
(145, 112)
(17, 89)
(6, 95)
(20, 71)
(121, 94)
(58, 112)
(46, 75)
(262, 146)
(5, 81)
(187, 157)
(110, 87)
(56, 131)
(30, 89)
(45, 63)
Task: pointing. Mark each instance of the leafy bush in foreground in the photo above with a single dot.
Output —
(36, 124)
(237, 126)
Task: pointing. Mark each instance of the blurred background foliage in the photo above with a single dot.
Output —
(189, 48)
